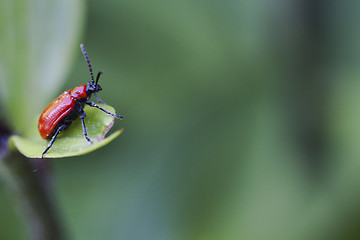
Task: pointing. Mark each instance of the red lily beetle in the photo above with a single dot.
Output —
(59, 114)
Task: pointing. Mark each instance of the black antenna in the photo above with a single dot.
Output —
(88, 61)
(97, 77)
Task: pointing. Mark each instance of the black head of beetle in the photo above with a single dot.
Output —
(93, 87)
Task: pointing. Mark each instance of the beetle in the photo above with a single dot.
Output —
(60, 113)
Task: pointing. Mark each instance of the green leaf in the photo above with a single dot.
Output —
(70, 142)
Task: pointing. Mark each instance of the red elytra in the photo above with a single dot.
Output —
(58, 109)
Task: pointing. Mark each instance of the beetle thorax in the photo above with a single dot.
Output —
(79, 92)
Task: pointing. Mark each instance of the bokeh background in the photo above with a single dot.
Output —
(241, 118)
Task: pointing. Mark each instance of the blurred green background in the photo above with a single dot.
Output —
(241, 118)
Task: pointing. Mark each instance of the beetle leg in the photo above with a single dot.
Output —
(92, 104)
(82, 117)
(62, 127)
(98, 99)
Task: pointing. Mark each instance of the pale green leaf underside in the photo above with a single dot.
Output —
(71, 141)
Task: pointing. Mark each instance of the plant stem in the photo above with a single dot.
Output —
(28, 183)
